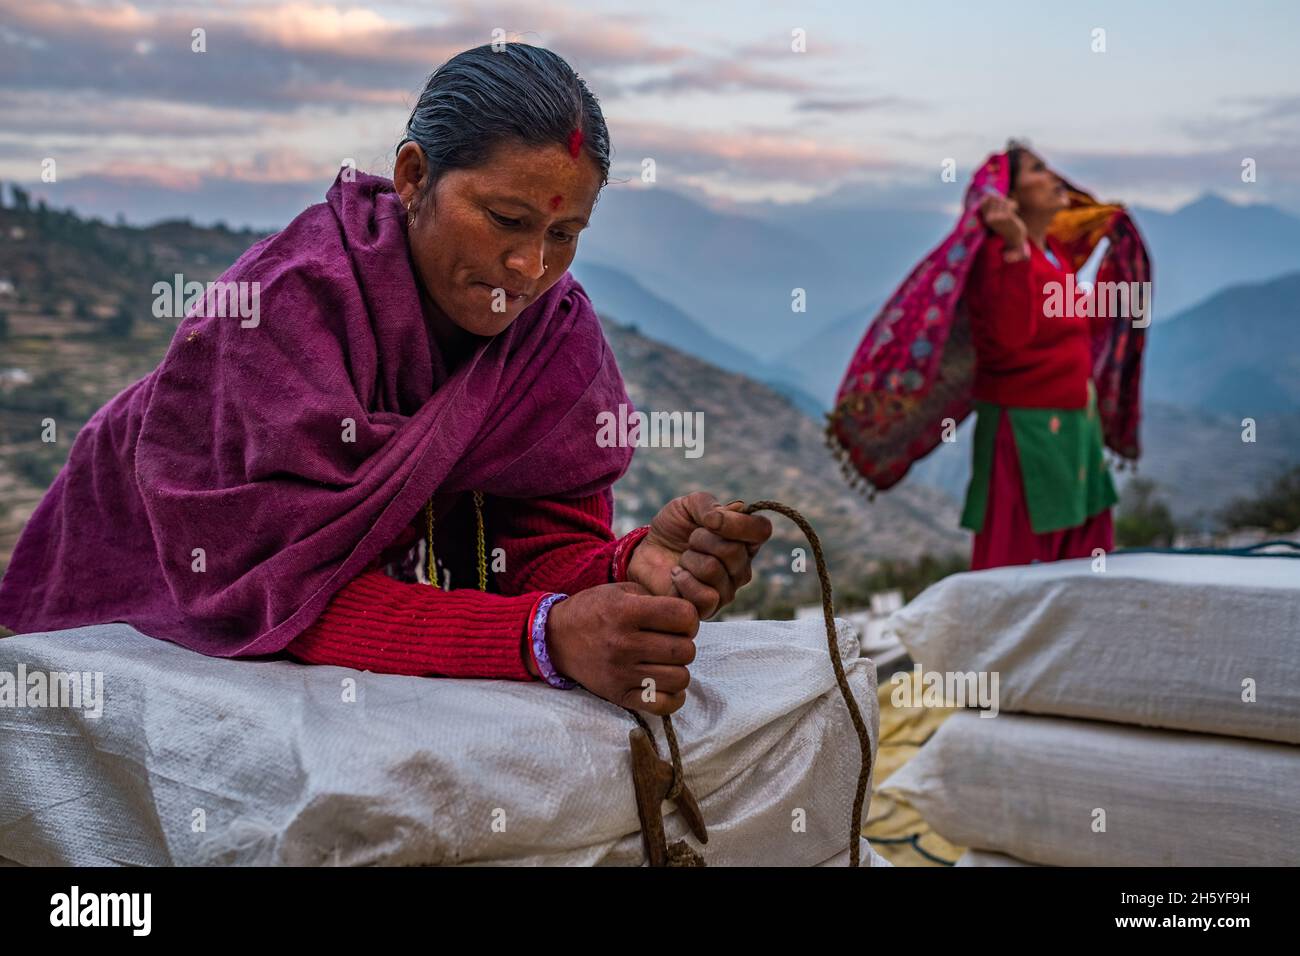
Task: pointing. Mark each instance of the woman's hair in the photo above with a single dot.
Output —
(1015, 150)
(481, 97)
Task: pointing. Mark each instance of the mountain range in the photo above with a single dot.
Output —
(1235, 354)
(731, 272)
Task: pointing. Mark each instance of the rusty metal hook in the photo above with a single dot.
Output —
(652, 778)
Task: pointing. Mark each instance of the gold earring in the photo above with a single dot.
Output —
(410, 216)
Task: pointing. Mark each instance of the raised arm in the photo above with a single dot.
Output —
(1000, 296)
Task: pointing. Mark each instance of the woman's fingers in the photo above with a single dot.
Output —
(662, 704)
(714, 559)
(699, 505)
(668, 615)
(996, 208)
(736, 526)
(656, 679)
(716, 567)
(706, 599)
(710, 572)
(727, 521)
(734, 555)
(659, 690)
(656, 649)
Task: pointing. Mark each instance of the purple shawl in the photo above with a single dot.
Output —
(294, 451)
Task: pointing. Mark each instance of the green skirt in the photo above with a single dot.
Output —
(1062, 464)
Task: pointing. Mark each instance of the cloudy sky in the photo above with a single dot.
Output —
(258, 124)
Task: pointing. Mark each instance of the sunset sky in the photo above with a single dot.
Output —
(712, 91)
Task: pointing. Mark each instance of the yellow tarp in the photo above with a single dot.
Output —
(893, 827)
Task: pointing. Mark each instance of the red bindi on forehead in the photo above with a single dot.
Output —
(575, 143)
(555, 201)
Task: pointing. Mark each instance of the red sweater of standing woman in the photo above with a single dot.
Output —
(1025, 359)
(539, 546)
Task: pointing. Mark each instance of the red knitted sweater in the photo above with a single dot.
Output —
(1024, 358)
(535, 547)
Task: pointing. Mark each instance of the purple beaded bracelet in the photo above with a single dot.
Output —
(540, 656)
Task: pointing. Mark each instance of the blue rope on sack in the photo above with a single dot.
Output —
(1249, 551)
(914, 841)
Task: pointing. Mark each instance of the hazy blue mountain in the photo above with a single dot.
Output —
(1205, 247)
(1236, 353)
(1210, 244)
(1199, 462)
(875, 246)
(734, 274)
(627, 301)
(263, 206)
(623, 299)
(821, 361)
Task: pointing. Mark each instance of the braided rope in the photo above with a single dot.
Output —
(680, 854)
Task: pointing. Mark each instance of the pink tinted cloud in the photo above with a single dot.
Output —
(88, 113)
(155, 174)
(284, 166)
(1215, 169)
(815, 44)
(273, 55)
(757, 154)
(863, 104)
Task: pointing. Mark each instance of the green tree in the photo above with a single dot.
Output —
(1276, 508)
(1143, 520)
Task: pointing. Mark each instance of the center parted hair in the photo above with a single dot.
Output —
(481, 97)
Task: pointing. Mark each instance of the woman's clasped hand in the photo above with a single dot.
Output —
(631, 642)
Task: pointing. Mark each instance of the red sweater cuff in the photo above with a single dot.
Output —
(379, 624)
(622, 556)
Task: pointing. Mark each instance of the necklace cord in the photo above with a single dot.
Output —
(431, 567)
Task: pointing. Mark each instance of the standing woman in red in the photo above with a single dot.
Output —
(990, 321)
(1039, 489)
